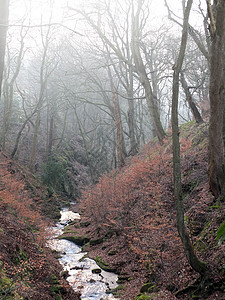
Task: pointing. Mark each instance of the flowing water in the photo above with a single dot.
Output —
(91, 286)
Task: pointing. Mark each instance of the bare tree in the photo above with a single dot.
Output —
(196, 36)
(9, 85)
(4, 15)
(141, 70)
(121, 60)
(216, 95)
(26, 121)
(46, 69)
(197, 265)
(189, 97)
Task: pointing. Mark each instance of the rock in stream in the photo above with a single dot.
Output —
(83, 275)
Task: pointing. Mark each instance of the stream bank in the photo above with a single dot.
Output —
(84, 275)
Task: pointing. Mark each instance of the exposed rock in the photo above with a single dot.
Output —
(96, 271)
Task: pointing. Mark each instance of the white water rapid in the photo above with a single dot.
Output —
(91, 286)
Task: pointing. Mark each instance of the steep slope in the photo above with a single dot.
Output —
(28, 270)
(129, 220)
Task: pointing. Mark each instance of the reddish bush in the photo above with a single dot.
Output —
(137, 202)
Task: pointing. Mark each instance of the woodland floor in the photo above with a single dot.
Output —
(28, 269)
(129, 217)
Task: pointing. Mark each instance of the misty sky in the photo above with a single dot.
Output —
(42, 9)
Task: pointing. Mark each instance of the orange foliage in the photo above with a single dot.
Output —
(137, 202)
(18, 200)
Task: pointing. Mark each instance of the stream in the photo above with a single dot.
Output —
(91, 286)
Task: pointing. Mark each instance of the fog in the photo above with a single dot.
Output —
(95, 76)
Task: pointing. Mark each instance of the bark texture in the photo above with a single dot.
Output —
(216, 95)
(141, 70)
(195, 112)
(197, 265)
(4, 15)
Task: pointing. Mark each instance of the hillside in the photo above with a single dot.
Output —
(28, 270)
(129, 220)
(128, 226)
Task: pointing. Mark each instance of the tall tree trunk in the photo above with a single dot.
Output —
(131, 112)
(63, 129)
(131, 115)
(197, 265)
(216, 96)
(143, 77)
(50, 137)
(196, 114)
(86, 148)
(4, 15)
(119, 130)
(131, 104)
(35, 140)
(9, 93)
(16, 145)
(42, 95)
(120, 144)
(224, 105)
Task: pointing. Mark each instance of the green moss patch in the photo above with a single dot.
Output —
(96, 241)
(148, 288)
(78, 240)
(112, 252)
(103, 265)
(142, 297)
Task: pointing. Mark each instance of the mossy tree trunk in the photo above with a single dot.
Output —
(197, 265)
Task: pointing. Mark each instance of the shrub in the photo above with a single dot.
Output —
(53, 174)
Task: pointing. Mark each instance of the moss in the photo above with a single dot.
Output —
(56, 289)
(96, 241)
(54, 251)
(120, 287)
(112, 252)
(187, 126)
(116, 291)
(146, 297)
(20, 256)
(205, 229)
(83, 257)
(142, 297)
(123, 278)
(85, 247)
(54, 279)
(215, 206)
(148, 287)
(103, 265)
(17, 297)
(85, 224)
(6, 285)
(74, 224)
(69, 230)
(201, 246)
(78, 240)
